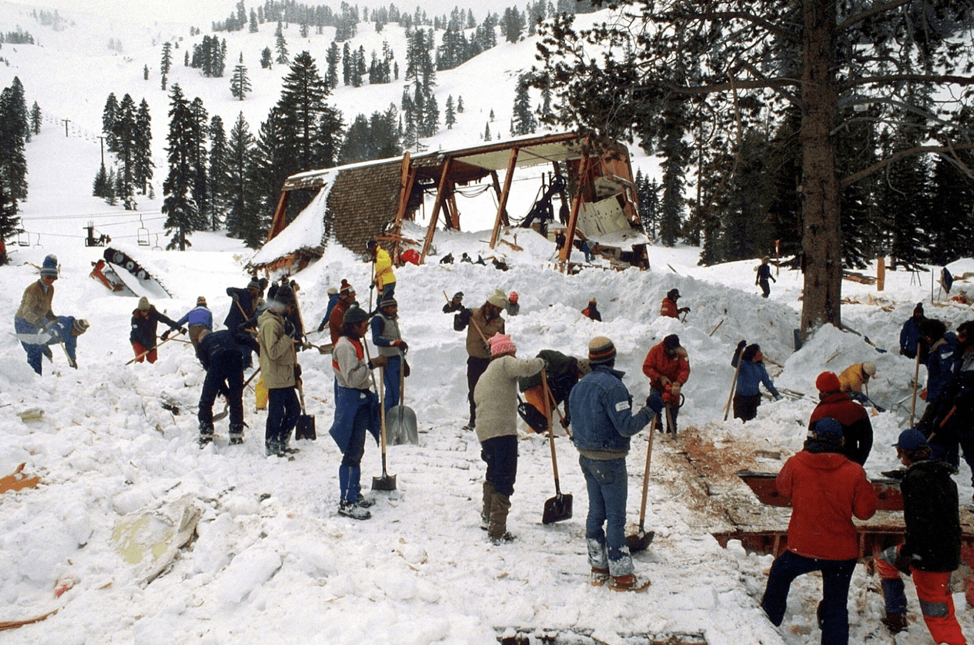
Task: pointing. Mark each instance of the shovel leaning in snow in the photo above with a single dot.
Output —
(559, 507)
(385, 482)
(401, 419)
(305, 427)
(641, 538)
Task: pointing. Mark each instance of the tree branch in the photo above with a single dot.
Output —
(900, 78)
(917, 150)
(859, 17)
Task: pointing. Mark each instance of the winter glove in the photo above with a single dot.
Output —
(165, 334)
(741, 345)
(904, 561)
(372, 285)
(289, 328)
(321, 328)
(654, 402)
(378, 361)
(675, 391)
(778, 397)
(182, 330)
(464, 316)
(401, 345)
(683, 310)
(235, 297)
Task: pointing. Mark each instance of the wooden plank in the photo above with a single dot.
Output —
(437, 205)
(505, 193)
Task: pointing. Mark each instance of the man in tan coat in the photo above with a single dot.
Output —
(481, 324)
(280, 371)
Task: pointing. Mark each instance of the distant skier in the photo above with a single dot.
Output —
(764, 274)
(592, 311)
(199, 318)
(145, 319)
(222, 359)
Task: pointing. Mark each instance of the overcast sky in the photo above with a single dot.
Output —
(205, 11)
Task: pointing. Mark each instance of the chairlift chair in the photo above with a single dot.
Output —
(37, 244)
(157, 247)
(23, 238)
(143, 233)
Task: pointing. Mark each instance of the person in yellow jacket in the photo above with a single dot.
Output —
(855, 377)
(384, 278)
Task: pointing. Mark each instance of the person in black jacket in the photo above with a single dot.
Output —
(145, 319)
(220, 354)
(932, 547)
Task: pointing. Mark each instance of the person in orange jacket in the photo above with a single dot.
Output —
(668, 307)
(668, 368)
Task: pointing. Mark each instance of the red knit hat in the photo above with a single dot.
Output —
(828, 382)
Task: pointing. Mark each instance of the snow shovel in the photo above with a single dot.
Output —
(402, 420)
(641, 539)
(305, 427)
(385, 482)
(559, 507)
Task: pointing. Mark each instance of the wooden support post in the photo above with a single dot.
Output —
(566, 251)
(881, 274)
(278, 222)
(502, 203)
(406, 177)
(497, 191)
(451, 206)
(437, 205)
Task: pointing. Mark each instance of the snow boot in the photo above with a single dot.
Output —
(895, 623)
(353, 510)
(206, 435)
(628, 582)
(236, 434)
(599, 577)
(364, 502)
(485, 513)
(500, 506)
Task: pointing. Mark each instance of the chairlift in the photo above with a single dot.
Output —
(157, 247)
(23, 238)
(143, 233)
(37, 244)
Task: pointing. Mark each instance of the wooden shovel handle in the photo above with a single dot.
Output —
(649, 456)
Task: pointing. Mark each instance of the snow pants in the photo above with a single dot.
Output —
(226, 372)
(607, 483)
(933, 590)
(836, 575)
(500, 455)
(283, 410)
(475, 369)
(746, 407)
(143, 354)
(391, 380)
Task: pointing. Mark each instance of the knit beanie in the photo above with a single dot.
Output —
(346, 289)
(253, 284)
(201, 302)
(388, 301)
(513, 296)
(143, 304)
(671, 342)
(79, 327)
(828, 382)
(332, 291)
(49, 267)
(501, 344)
(918, 309)
(600, 350)
(498, 299)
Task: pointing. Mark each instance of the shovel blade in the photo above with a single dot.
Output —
(557, 508)
(385, 482)
(401, 426)
(640, 541)
(305, 428)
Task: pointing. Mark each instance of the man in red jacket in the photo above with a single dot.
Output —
(826, 491)
(857, 430)
(668, 307)
(668, 368)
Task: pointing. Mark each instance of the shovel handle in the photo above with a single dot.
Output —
(649, 456)
(551, 434)
(730, 397)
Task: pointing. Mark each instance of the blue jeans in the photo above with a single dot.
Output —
(61, 333)
(283, 410)
(350, 470)
(836, 575)
(607, 484)
(391, 380)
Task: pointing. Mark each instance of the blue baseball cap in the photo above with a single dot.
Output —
(910, 440)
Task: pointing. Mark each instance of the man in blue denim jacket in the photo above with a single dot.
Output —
(603, 422)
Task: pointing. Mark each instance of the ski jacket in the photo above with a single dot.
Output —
(856, 427)
(241, 309)
(853, 378)
(277, 359)
(668, 308)
(35, 306)
(214, 345)
(910, 335)
(198, 316)
(336, 320)
(601, 411)
(476, 347)
(144, 325)
(961, 388)
(513, 308)
(764, 273)
(592, 312)
(942, 366)
(930, 509)
(383, 269)
(385, 332)
(496, 395)
(658, 364)
(750, 376)
(351, 369)
(332, 301)
(561, 371)
(826, 491)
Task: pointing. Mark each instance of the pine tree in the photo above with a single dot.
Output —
(450, 117)
(200, 186)
(459, 105)
(178, 204)
(99, 187)
(143, 165)
(347, 64)
(145, 72)
(280, 45)
(35, 118)
(242, 218)
(523, 120)
(217, 176)
(13, 162)
(431, 117)
(265, 58)
(108, 116)
(166, 63)
(239, 83)
(332, 58)
(121, 141)
(253, 22)
(164, 82)
(487, 132)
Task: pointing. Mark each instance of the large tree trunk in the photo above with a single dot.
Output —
(821, 238)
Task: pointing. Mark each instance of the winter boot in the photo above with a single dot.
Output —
(628, 582)
(206, 434)
(895, 623)
(485, 513)
(353, 510)
(236, 434)
(500, 506)
(600, 576)
(364, 502)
